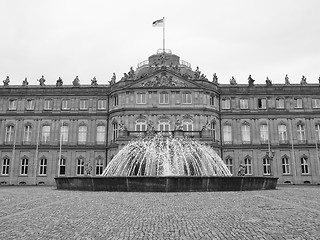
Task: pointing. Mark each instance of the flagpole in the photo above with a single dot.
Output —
(163, 36)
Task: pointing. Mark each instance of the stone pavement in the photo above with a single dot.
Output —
(290, 212)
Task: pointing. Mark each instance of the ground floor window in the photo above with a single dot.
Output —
(229, 164)
(43, 166)
(304, 165)
(62, 166)
(80, 166)
(285, 165)
(24, 166)
(99, 166)
(266, 166)
(247, 166)
(5, 166)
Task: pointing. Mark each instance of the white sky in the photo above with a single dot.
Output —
(66, 38)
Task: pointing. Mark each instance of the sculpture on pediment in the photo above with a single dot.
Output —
(76, 82)
(164, 81)
(286, 79)
(59, 82)
(113, 79)
(162, 58)
(303, 80)
(6, 81)
(250, 81)
(197, 73)
(268, 82)
(203, 77)
(41, 81)
(215, 78)
(233, 81)
(25, 82)
(94, 82)
(131, 74)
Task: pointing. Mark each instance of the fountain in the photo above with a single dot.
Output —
(166, 164)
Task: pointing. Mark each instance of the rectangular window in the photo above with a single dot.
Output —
(24, 166)
(99, 166)
(65, 104)
(47, 104)
(298, 102)
(280, 103)
(115, 101)
(83, 104)
(12, 105)
(225, 104)
(244, 104)
(213, 130)
(262, 103)
(229, 165)
(5, 166)
(9, 134)
(317, 129)
(80, 167)
(45, 134)
(245, 130)
(141, 98)
(227, 134)
(102, 104)
(301, 132)
(62, 166)
(82, 135)
(43, 166)
(64, 134)
(212, 100)
(304, 166)
(316, 103)
(30, 104)
(282, 129)
(164, 98)
(114, 131)
(186, 98)
(266, 166)
(101, 134)
(27, 134)
(285, 165)
(247, 166)
(264, 133)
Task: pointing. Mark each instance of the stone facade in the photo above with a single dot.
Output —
(68, 130)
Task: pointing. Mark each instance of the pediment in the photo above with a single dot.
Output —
(164, 80)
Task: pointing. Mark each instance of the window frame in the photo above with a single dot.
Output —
(30, 104)
(10, 134)
(186, 98)
(164, 125)
(266, 164)
(262, 103)
(226, 104)
(27, 134)
(62, 165)
(187, 125)
(285, 165)
(102, 104)
(82, 134)
(141, 98)
(227, 134)
(304, 165)
(83, 104)
(141, 124)
(5, 167)
(12, 105)
(80, 167)
(280, 103)
(244, 103)
(101, 134)
(163, 97)
(43, 164)
(99, 166)
(65, 104)
(248, 166)
(24, 164)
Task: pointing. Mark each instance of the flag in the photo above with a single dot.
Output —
(158, 23)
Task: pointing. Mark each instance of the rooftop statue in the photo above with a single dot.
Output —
(25, 82)
(113, 79)
(6, 81)
(319, 79)
(197, 73)
(76, 81)
(131, 74)
(215, 78)
(303, 80)
(286, 79)
(162, 58)
(203, 77)
(233, 81)
(59, 82)
(250, 81)
(94, 82)
(268, 82)
(41, 81)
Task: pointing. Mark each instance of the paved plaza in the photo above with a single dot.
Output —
(290, 212)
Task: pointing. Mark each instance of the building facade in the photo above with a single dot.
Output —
(74, 130)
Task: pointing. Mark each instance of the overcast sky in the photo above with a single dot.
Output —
(66, 38)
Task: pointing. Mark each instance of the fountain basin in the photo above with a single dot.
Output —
(166, 183)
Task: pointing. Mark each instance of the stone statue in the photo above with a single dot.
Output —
(250, 81)
(178, 125)
(268, 82)
(162, 58)
(122, 127)
(206, 126)
(59, 82)
(241, 171)
(233, 81)
(76, 81)
(6, 81)
(303, 80)
(203, 77)
(94, 82)
(25, 82)
(150, 127)
(197, 73)
(113, 79)
(215, 78)
(286, 79)
(41, 81)
(131, 74)
(88, 168)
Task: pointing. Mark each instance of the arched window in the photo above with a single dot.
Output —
(101, 134)
(245, 132)
(285, 165)
(82, 134)
(304, 165)
(164, 98)
(141, 125)
(227, 134)
(187, 125)
(5, 166)
(266, 165)
(45, 134)
(164, 125)
(80, 166)
(114, 131)
(9, 138)
(43, 166)
(282, 129)
(24, 166)
(248, 166)
(229, 164)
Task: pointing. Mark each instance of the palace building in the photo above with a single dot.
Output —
(71, 130)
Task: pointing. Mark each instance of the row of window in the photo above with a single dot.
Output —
(65, 104)
(262, 103)
(46, 133)
(264, 133)
(43, 166)
(266, 164)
